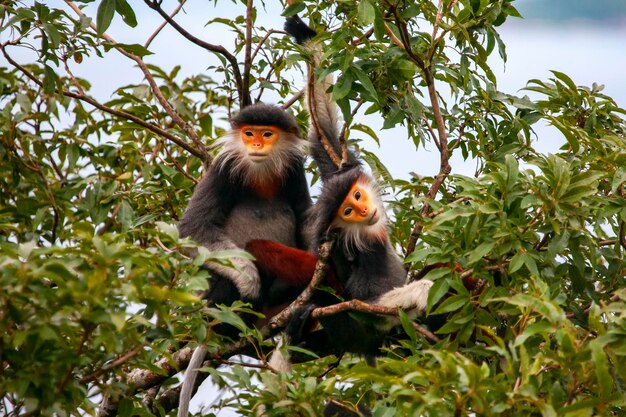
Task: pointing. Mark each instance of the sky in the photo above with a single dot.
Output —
(572, 36)
(578, 37)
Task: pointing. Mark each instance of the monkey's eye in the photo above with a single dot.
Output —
(268, 134)
(347, 211)
(357, 195)
(249, 133)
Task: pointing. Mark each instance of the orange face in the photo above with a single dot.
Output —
(259, 140)
(358, 207)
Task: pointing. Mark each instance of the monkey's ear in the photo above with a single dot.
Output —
(294, 131)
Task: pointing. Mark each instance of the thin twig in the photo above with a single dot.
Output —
(109, 222)
(247, 62)
(393, 37)
(293, 99)
(120, 360)
(342, 135)
(363, 37)
(262, 41)
(86, 334)
(162, 25)
(431, 132)
(186, 127)
(218, 49)
(444, 167)
(149, 126)
(437, 19)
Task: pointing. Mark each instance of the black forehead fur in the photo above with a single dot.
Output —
(261, 114)
(333, 193)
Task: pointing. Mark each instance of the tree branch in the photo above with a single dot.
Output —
(280, 320)
(263, 40)
(218, 49)
(363, 307)
(162, 25)
(143, 379)
(149, 126)
(444, 167)
(153, 86)
(342, 136)
(293, 99)
(247, 62)
(120, 360)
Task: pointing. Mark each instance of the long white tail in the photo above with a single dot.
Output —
(191, 374)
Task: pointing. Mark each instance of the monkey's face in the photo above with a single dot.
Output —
(361, 206)
(259, 141)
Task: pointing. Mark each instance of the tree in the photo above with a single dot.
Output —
(97, 301)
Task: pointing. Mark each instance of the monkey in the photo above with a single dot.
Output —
(255, 189)
(364, 261)
(365, 265)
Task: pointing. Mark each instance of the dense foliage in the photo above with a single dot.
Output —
(95, 287)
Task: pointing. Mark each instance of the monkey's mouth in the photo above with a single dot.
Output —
(374, 218)
(257, 156)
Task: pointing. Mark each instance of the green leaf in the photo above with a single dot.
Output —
(379, 25)
(367, 130)
(407, 325)
(568, 132)
(134, 48)
(366, 12)
(536, 328)
(343, 86)
(50, 80)
(53, 34)
(601, 368)
(619, 178)
(567, 80)
(294, 9)
(127, 13)
(482, 250)
(418, 255)
(229, 317)
(452, 304)
(106, 11)
(439, 288)
(366, 83)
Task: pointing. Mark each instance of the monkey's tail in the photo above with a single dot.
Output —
(190, 380)
(320, 104)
